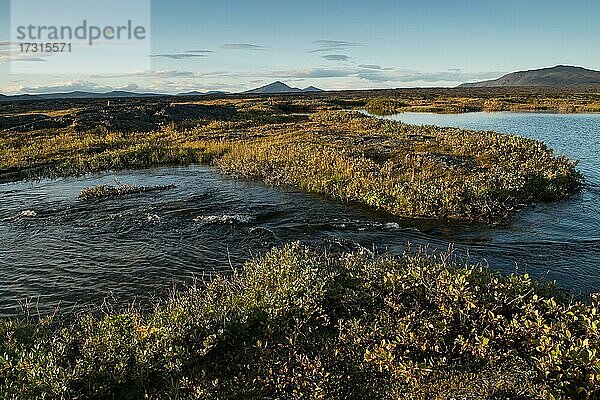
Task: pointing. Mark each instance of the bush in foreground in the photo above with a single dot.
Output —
(298, 324)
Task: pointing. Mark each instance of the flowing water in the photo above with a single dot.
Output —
(58, 250)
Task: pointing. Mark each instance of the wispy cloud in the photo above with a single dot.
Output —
(314, 73)
(7, 56)
(181, 56)
(185, 55)
(332, 45)
(200, 51)
(374, 66)
(336, 57)
(148, 74)
(242, 46)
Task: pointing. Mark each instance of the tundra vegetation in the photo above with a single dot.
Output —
(297, 322)
(411, 171)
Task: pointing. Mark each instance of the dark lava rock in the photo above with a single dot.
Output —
(131, 120)
(33, 122)
(183, 112)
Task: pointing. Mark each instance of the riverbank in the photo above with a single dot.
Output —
(409, 171)
(297, 322)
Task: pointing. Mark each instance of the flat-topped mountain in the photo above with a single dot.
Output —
(559, 76)
(280, 87)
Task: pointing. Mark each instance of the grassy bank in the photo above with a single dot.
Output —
(453, 105)
(412, 171)
(296, 323)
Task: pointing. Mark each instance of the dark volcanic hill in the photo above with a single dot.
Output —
(559, 76)
(280, 87)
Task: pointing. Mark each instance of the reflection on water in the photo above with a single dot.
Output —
(56, 249)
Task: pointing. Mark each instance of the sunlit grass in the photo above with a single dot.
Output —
(445, 105)
(422, 172)
(101, 192)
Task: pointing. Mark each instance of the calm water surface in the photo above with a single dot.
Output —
(56, 249)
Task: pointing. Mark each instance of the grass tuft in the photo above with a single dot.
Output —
(105, 191)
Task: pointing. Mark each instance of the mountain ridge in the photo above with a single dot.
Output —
(272, 88)
(557, 76)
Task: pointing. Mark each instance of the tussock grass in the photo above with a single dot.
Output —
(297, 323)
(106, 191)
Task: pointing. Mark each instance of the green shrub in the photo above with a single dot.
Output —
(300, 324)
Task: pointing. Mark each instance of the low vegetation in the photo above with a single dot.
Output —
(106, 191)
(390, 105)
(296, 323)
(424, 172)
(412, 171)
(487, 99)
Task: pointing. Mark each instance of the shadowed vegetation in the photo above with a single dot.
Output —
(296, 324)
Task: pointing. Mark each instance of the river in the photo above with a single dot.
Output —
(58, 250)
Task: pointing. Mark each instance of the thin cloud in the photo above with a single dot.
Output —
(242, 46)
(7, 56)
(314, 73)
(179, 56)
(336, 57)
(31, 59)
(185, 55)
(332, 45)
(149, 74)
(373, 66)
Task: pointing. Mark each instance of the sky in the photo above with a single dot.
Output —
(235, 45)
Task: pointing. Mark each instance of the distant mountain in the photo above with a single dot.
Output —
(196, 93)
(559, 76)
(94, 95)
(280, 87)
(312, 89)
(17, 97)
(77, 95)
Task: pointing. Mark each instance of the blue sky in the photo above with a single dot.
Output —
(339, 44)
